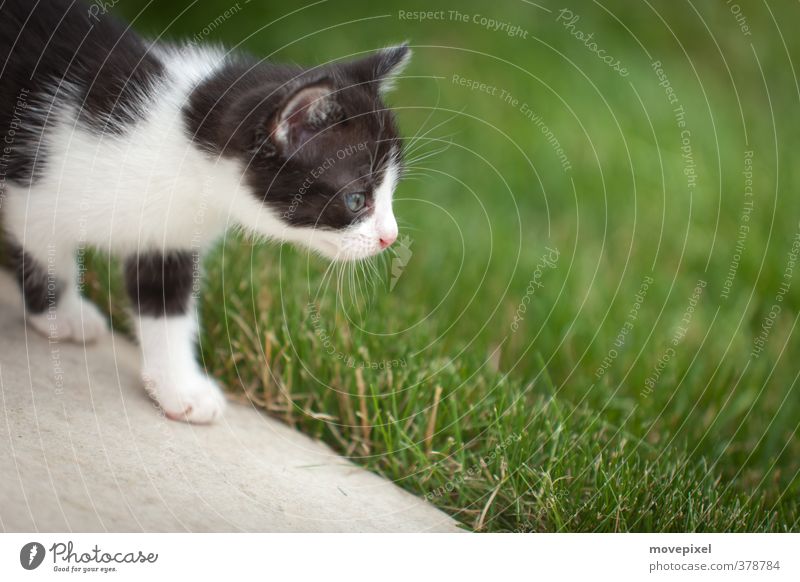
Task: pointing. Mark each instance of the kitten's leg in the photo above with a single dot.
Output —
(160, 286)
(48, 279)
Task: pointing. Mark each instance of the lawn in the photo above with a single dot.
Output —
(589, 321)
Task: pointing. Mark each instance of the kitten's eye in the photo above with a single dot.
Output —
(355, 201)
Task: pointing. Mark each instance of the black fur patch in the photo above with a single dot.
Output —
(161, 285)
(40, 291)
(101, 67)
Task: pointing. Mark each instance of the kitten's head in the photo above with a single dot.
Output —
(329, 157)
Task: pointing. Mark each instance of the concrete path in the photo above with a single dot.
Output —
(82, 448)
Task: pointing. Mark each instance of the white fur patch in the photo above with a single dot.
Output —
(171, 374)
(73, 319)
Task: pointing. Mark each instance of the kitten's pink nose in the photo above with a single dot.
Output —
(386, 240)
(386, 230)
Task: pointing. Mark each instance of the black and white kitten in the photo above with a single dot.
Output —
(152, 151)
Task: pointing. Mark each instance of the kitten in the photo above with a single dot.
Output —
(152, 151)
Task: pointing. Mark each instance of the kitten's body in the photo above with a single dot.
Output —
(151, 152)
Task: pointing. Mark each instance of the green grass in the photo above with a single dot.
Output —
(513, 428)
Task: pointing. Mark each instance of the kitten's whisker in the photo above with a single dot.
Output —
(340, 286)
(349, 279)
(421, 144)
(372, 159)
(413, 145)
(418, 167)
(420, 176)
(433, 110)
(323, 285)
(371, 271)
(373, 274)
(425, 171)
(382, 158)
(445, 139)
(345, 275)
(379, 272)
(354, 290)
(332, 273)
(367, 281)
(364, 280)
(430, 154)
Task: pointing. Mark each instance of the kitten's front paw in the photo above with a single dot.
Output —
(195, 399)
(73, 319)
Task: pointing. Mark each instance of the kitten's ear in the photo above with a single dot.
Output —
(308, 110)
(382, 67)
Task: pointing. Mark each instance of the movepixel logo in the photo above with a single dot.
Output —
(31, 555)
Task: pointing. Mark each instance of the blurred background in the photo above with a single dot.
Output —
(588, 323)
